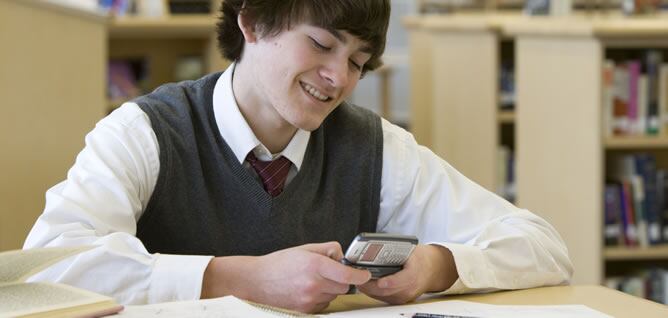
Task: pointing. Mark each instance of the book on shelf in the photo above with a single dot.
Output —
(635, 205)
(154, 8)
(634, 95)
(19, 298)
(650, 283)
(189, 6)
(505, 179)
(125, 78)
(507, 86)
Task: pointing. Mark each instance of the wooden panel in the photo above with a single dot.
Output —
(53, 85)
(659, 252)
(465, 96)
(506, 116)
(420, 50)
(559, 155)
(637, 142)
(176, 26)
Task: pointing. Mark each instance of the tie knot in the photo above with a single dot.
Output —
(272, 173)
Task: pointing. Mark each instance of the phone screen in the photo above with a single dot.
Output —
(380, 253)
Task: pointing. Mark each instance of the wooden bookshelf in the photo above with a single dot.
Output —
(641, 142)
(52, 85)
(659, 252)
(562, 154)
(162, 41)
(455, 104)
(506, 117)
(171, 26)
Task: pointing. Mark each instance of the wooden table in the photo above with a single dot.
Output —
(606, 300)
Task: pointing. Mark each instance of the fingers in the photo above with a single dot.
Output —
(334, 288)
(330, 249)
(373, 288)
(394, 296)
(397, 288)
(343, 274)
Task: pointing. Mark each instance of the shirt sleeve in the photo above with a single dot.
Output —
(99, 204)
(495, 244)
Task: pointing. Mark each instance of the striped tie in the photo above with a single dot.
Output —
(273, 173)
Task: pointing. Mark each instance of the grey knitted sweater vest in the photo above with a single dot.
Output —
(206, 203)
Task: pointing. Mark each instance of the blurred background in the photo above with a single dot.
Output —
(561, 107)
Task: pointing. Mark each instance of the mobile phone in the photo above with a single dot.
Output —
(380, 253)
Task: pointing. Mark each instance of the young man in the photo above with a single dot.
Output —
(181, 175)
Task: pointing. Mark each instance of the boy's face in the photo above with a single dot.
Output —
(302, 74)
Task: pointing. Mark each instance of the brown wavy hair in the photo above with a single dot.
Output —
(365, 19)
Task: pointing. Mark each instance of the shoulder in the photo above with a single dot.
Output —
(129, 115)
(171, 97)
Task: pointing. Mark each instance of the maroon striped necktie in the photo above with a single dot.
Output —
(273, 173)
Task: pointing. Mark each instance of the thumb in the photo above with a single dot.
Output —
(330, 249)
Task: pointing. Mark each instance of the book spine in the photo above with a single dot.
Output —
(608, 97)
(653, 61)
(613, 225)
(642, 122)
(634, 75)
(621, 124)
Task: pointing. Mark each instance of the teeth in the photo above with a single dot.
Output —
(315, 92)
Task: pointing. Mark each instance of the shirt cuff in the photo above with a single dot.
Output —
(472, 268)
(177, 277)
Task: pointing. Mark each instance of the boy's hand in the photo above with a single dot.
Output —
(431, 268)
(303, 278)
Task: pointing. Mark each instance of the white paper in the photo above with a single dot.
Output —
(233, 307)
(466, 308)
(228, 307)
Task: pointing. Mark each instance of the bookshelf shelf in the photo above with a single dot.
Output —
(506, 116)
(641, 142)
(159, 50)
(659, 252)
(187, 25)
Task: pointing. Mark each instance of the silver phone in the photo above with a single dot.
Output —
(380, 253)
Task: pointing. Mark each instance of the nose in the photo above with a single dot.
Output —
(336, 72)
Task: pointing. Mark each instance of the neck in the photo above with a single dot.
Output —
(267, 124)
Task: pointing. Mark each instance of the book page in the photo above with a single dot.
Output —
(18, 265)
(22, 298)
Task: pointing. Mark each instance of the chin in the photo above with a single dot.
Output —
(308, 124)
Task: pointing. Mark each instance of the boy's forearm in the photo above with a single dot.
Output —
(444, 268)
(223, 276)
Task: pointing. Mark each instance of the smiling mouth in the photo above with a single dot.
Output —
(314, 92)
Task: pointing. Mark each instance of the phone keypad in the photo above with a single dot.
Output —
(394, 254)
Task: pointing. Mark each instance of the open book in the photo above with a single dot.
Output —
(21, 299)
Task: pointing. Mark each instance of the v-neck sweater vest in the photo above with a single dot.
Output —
(206, 203)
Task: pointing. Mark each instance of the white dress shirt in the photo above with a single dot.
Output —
(495, 244)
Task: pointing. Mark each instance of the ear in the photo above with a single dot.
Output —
(247, 27)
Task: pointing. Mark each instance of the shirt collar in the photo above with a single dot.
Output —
(237, 133)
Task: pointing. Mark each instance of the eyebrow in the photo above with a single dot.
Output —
(337, 34)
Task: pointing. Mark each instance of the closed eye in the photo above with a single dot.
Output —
(319, 46)
(356, 66)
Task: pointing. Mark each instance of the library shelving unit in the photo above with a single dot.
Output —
(455, 67)
(420, 51)
(52, 85)
(160, 42)
(562, 150)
